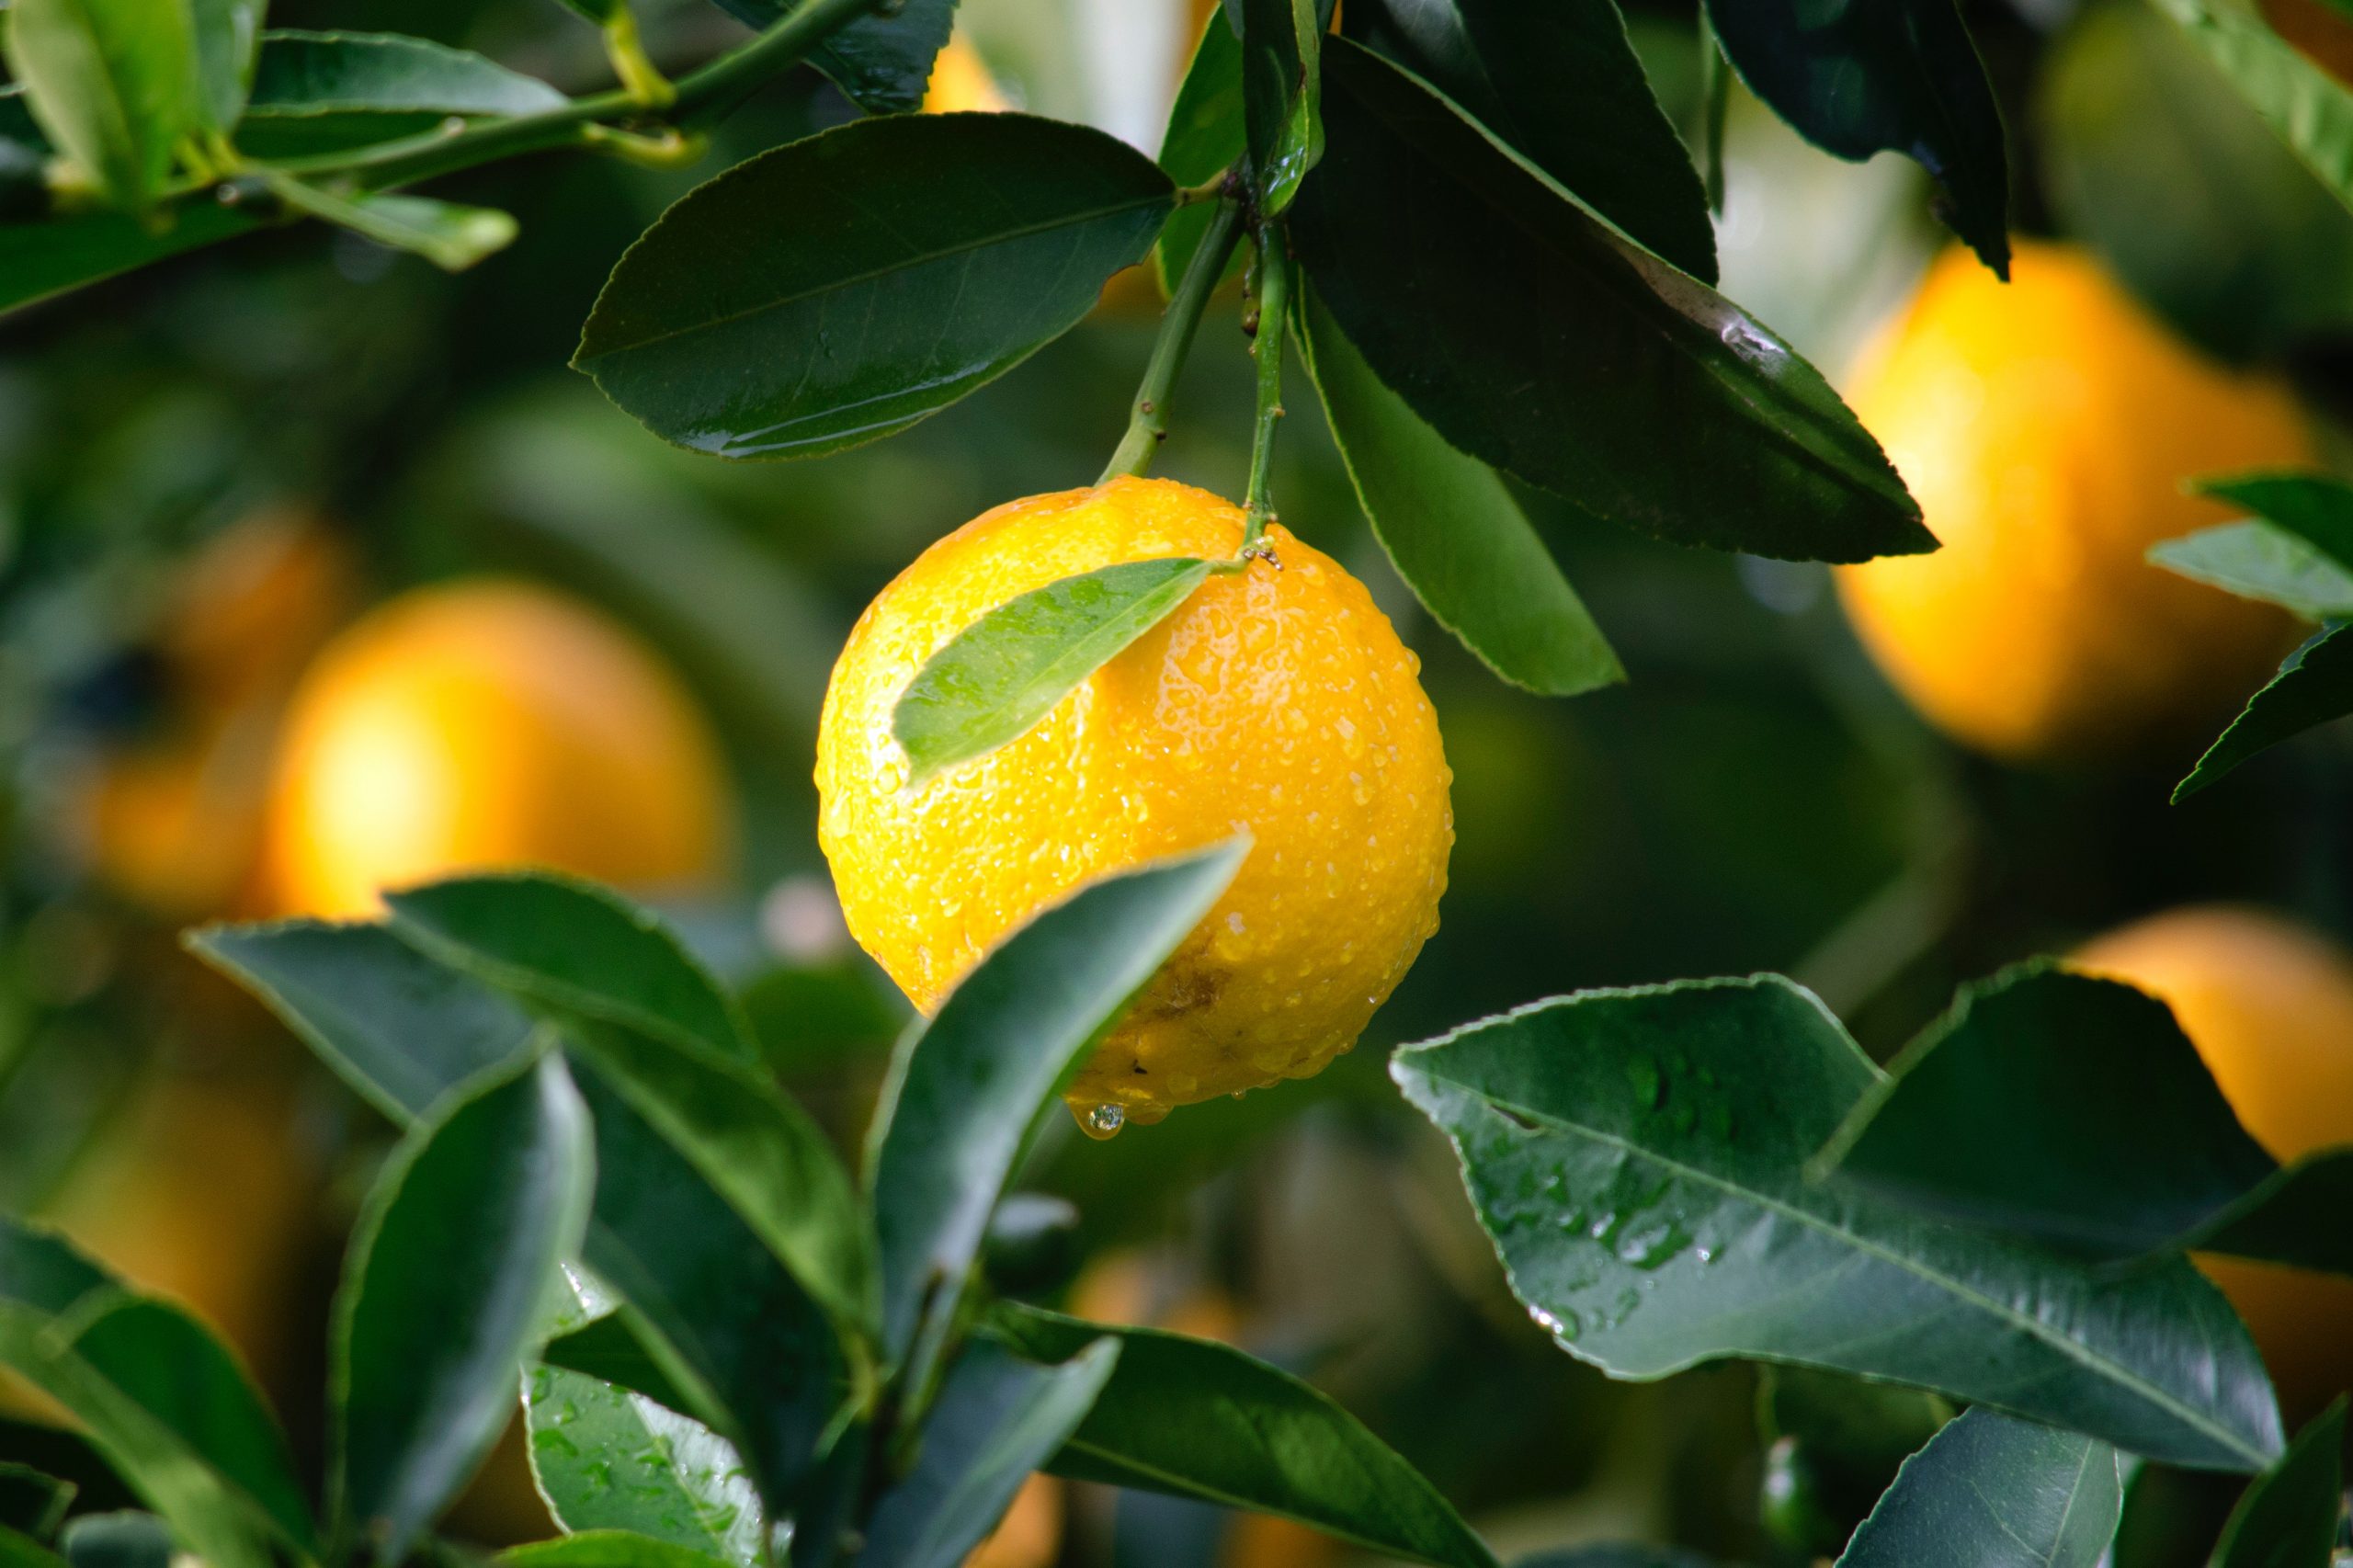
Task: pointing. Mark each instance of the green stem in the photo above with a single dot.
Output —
(1148, 422)
(639, 78)
(1267, 348)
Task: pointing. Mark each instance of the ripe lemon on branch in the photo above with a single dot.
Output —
(1275, 700)
(2046, 428)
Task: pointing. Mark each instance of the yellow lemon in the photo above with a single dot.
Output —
(2270, 1005)
(488, 724)
(2047, 427)
(1030, 1534)
(1277, 700)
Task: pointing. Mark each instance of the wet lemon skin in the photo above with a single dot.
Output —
(1277, 701)
(2047, 427)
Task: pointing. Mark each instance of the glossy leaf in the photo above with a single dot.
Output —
(2305, 107)
(839, 289)
(1453, 531)
(226, 34)
(999, 676)
(2315, 508)
(1532, 337)
(575, 947)
(1991, 1491)
(996, 1419)
(1899, 76)
(1193, 1418)
(1205, 136)
(467, 1225)
(882, 61)
(2314, 685)
(604, 1549)
(610, 1461)
(609, 1351)
(113, 83)
(1639, 1158)
(395, 1026)
(969, 1087)
(40, 260)
(2288, 1517)
(449, 236)
(1281, 89)
(1561, 83)
(2259, 560)
(321, 91)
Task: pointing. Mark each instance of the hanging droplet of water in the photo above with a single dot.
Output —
(1103, 1121)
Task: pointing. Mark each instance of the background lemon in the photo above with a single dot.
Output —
(488, 724)
(2270, 1007)
(1279, 700)
(2046, 428)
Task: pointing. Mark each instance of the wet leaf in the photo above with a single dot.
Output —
(1991, 1491)
(1280, 94)
(609, 1351)
(609, 1460)
(605, 1549)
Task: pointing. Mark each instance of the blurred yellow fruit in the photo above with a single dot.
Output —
(488, 724)
(1277, 700)
(2270, 1005)
(1030, 1534)
(960, 83)
(2047, 427)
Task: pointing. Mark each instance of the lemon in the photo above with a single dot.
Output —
(2269, 1007)
(489, 723)
(960, 82)
(1277, 700)
(2047, 427)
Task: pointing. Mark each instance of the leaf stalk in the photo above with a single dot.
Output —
(1273, 306)
(1148, 418)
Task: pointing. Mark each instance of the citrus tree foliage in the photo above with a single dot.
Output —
(1495, 256)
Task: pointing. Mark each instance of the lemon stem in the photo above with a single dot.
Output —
(1272, 307)
(1148, 420)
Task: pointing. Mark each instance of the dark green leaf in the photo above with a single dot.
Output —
(2306, 106)
(749, 1351)
(609, 1351)
(69, 1457)
(126, 1539)
(992, 680)
(575, 947)
(2151, 156)
(1280, 86)
(2260, 560)
(307, 74)
(839, 289)
(1456, 536)
(1562, 84)
(610, 1461)
(882, 61)
(1991, 1491)
(451, 237)
(225, 33)
(398, 1028)
(1639, 1158)
(38, 260)
(466, 1226)
(1197, 1419)
(2315, 685)
(31, 1501)
(996, 1419)
(604, 1549)
(969, 1087)
(2315, 507)
(1533, 338)
(113, 83)
(1898, 76)
(1205, 136)
(1852, 1435)
(2292, 1217)
(2288, 1517)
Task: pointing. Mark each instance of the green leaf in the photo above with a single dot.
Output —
(2259, 560)
(113, 83)
(999, 675)
(226, 34)
(1533, 338)
(1561, 85)
(2152, 157)
(2288, 1517)
(1616, 1557)
(882, 62)
(1991, 1491)
(609, 1351)
(449, 236)
(2315, 685)
(608, 1461)
(1453, 531)
(316, 92)
(604, 1549)
(1196, 1419)
(578, 948)
(40, 260)
(837, 290)
(1205, 136)
(32, 1502)
(1639, 1158)
(2305, 107)
(1281, 88)
(997, 1418)
(971, 1085)
(1844, 1438)
(1901, 75)
(18, 1550)
(398, 1028)
(466, 1226)
(2315, 508)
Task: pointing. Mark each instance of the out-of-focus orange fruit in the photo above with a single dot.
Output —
(960, 82)
(486, 724)
(2270, 1005)
(1030, 1534)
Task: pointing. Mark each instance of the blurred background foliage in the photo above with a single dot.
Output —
(206, 468)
